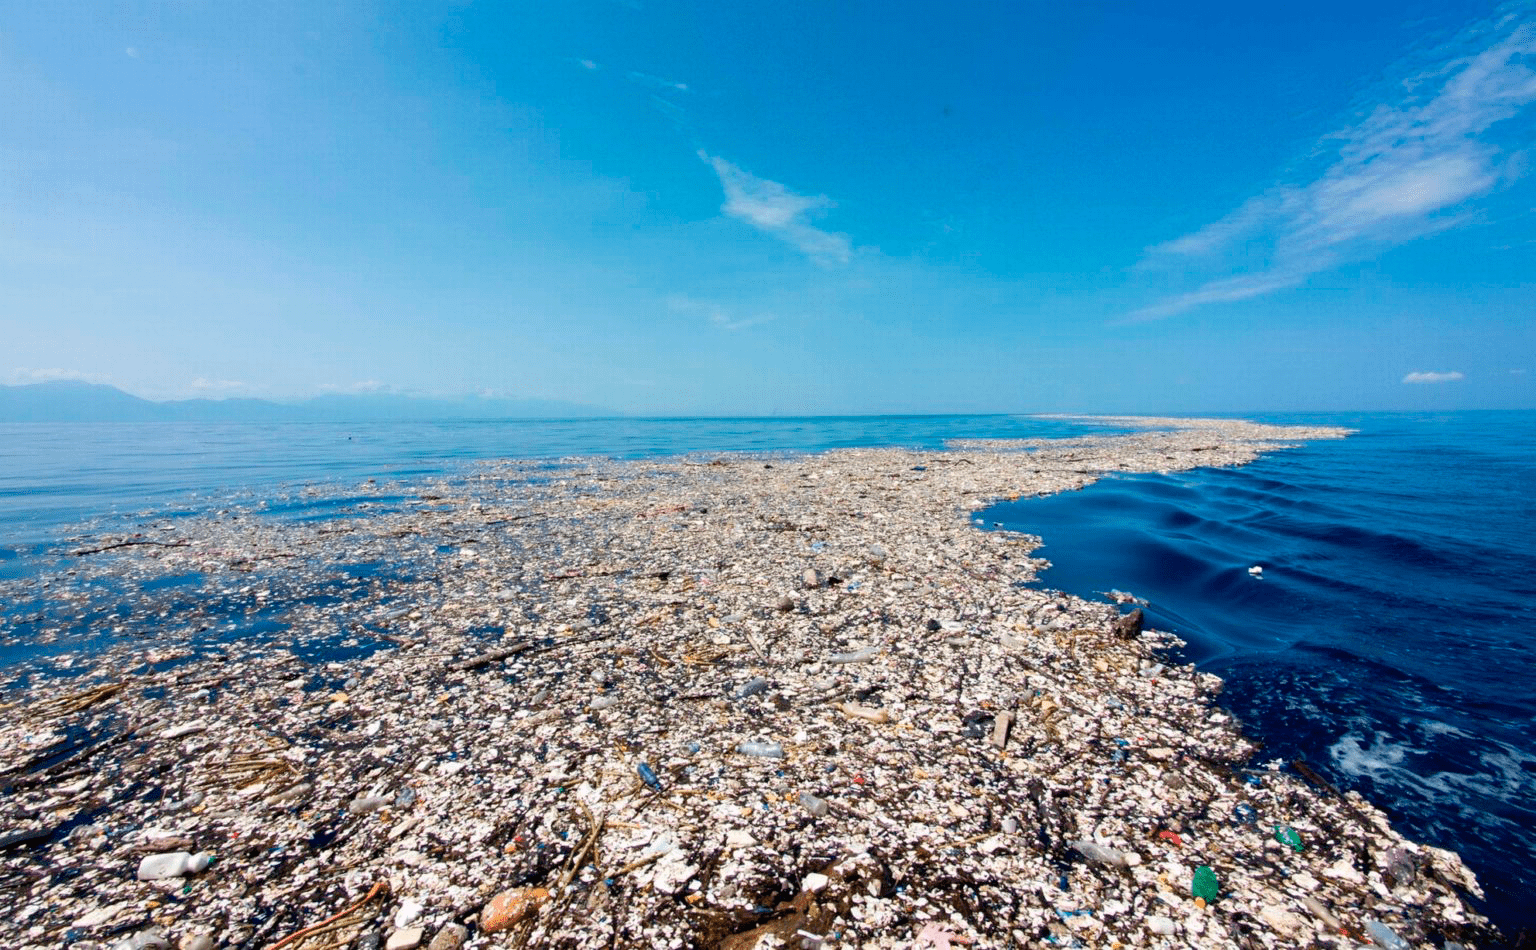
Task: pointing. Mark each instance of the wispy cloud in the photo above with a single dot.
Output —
(204, 385)
(656, 82)
(1410, 168)
(1450, 377)
(363, 386)
(588, 65)
(716, 314)
(775, 210)
(674, 113)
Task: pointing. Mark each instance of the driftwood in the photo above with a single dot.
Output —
(131, 544)
(486, 659)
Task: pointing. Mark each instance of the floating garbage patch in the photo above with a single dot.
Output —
(730, 702)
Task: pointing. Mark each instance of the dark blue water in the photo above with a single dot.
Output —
(1391, 641)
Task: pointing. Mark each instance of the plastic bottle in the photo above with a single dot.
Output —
(1099, 854)
(1401, 868)
(856, 656)
(648, 777)
(770, 750)
(160, 867)
(814, 805)
(751, 687)
(370, 803)
(1382, 936)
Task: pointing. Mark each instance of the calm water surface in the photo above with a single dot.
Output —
(51, 475)
(1391, 641)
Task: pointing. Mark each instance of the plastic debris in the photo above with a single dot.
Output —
(1204, 884)
(856, 656)
(1099, 854)
(816, 806)
(509, 908)
(1001, 725)
(1289, 837)
(1401, 868)
(751, 687)
(935, 937)
(493, 653)
(867, 713)
(158, 867)
(1384, 937)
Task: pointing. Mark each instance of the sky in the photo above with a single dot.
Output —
(787, 208)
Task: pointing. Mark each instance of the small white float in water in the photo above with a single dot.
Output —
(1256, 571)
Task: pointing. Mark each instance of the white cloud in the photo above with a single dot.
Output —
(674, 113)
(204, 385)
(131, 51)
(587, 64)
(1226, 290)
(1406, 170)
(775, 210)
(363, 386)
(1450, 377)
(656, 82)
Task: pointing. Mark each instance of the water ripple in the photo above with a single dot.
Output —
(1388, 638)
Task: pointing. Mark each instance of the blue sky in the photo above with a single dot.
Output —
(786, 208)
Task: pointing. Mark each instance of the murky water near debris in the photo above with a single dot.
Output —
(53, 475)
(62, 485)
(1388, 640)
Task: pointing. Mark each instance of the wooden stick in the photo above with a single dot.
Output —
(309, 931)
(129, 544)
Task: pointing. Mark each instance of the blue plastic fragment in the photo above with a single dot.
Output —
(648, 777)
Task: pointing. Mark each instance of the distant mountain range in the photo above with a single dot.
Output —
(70, 401)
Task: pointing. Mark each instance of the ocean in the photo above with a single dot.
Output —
(1387, 642)
(1391, 639)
